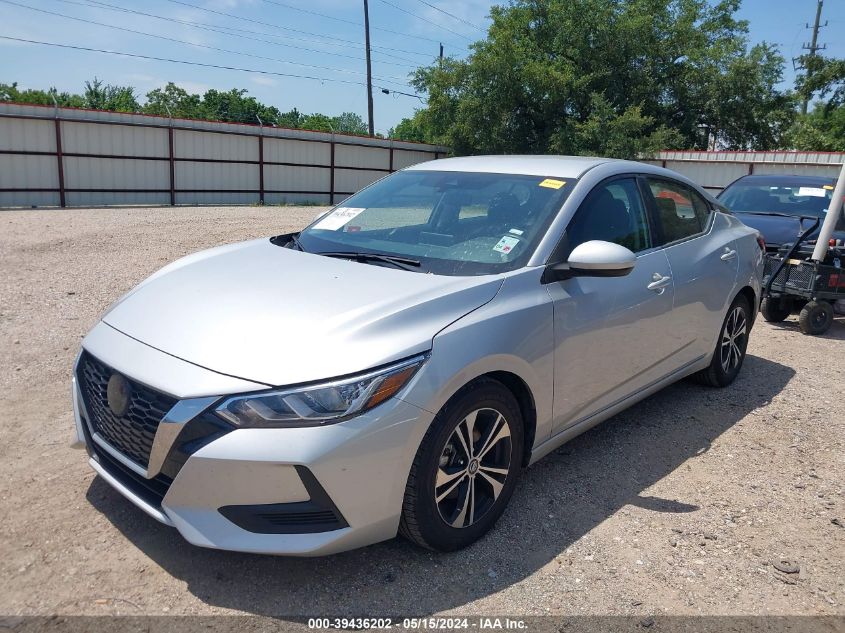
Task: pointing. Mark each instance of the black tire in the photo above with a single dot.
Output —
(423, 519)
(776, 310)
(815, 318)
(722, 371)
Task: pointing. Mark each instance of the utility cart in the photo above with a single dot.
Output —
(808, 274)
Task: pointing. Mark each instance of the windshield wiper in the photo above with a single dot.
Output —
(405, 263)
(779, 214)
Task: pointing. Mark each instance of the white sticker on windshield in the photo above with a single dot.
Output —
(516, 231)
(506, 244)
(338, 218)
(816, 192)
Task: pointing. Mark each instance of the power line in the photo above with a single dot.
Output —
(452, 15)
(213, 48)
(225, 30)
(336, 19)
(185, 62)
(345, 21)
(238, 17)
(419, 17)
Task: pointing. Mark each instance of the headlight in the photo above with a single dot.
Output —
(319, 404)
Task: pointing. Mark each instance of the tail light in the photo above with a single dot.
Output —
(761, 242)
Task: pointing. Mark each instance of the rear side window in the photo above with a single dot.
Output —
(681, 212)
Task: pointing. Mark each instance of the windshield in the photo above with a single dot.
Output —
(452, 223)
(789, 198)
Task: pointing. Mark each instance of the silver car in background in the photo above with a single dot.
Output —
(394, 366)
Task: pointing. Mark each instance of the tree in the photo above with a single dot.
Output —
(173, 101)
(99, 96)
(552, 74)
(292, 119)
(234, 105)
(748, 111)
(822, 129)
(11, 94)
(410, 129)
(825, 76)
(318, 122)
(350, 123)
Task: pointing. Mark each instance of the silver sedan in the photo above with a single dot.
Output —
(394, 366)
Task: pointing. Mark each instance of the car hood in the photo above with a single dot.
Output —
(777, 229)
(277, 316)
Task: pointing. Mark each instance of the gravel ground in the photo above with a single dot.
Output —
(685, 504)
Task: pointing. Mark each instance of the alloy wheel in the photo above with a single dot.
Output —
(473, 467)
(733, 339)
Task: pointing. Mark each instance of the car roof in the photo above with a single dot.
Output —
(558, 166)
(784, 179)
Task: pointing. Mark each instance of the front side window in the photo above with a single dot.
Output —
(612, 212)
(452, 223)
(681, 212)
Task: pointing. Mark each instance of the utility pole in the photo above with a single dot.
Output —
(369, 68)
(813, 46)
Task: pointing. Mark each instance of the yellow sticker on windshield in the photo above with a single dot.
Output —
(830, 187)
(551, 183)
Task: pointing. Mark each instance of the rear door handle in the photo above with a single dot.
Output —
(660, 282)
(728, 255)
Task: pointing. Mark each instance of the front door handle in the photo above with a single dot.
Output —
(659, 284)
(728, 255)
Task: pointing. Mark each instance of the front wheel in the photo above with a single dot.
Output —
(815, 318)
(730, 348)
(465, 469)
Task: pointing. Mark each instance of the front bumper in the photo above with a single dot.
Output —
(270, 491)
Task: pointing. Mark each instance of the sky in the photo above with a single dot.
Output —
(320, 42)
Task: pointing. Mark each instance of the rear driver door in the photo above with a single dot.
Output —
(704, 260)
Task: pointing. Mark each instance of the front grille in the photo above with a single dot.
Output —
(132, 434)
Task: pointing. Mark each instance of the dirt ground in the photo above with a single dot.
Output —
(685, 504)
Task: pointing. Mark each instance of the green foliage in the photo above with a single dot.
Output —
(99, 96)
(824, 76)
(173, 101)
(610, 77)
(410, 129)
(233, 106)
(626, 135)
(822, 130)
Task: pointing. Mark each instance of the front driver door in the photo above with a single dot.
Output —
(610, 331)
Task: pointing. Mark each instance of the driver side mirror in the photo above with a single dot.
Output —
(595, 258)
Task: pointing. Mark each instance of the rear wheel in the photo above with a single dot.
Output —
(730, 348)
(776, 310)
(815, 317)
(465, 469)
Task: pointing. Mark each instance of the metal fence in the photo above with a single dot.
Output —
(69, 157)
(716, 170)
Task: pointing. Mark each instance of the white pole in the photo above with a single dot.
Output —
(834, 214)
